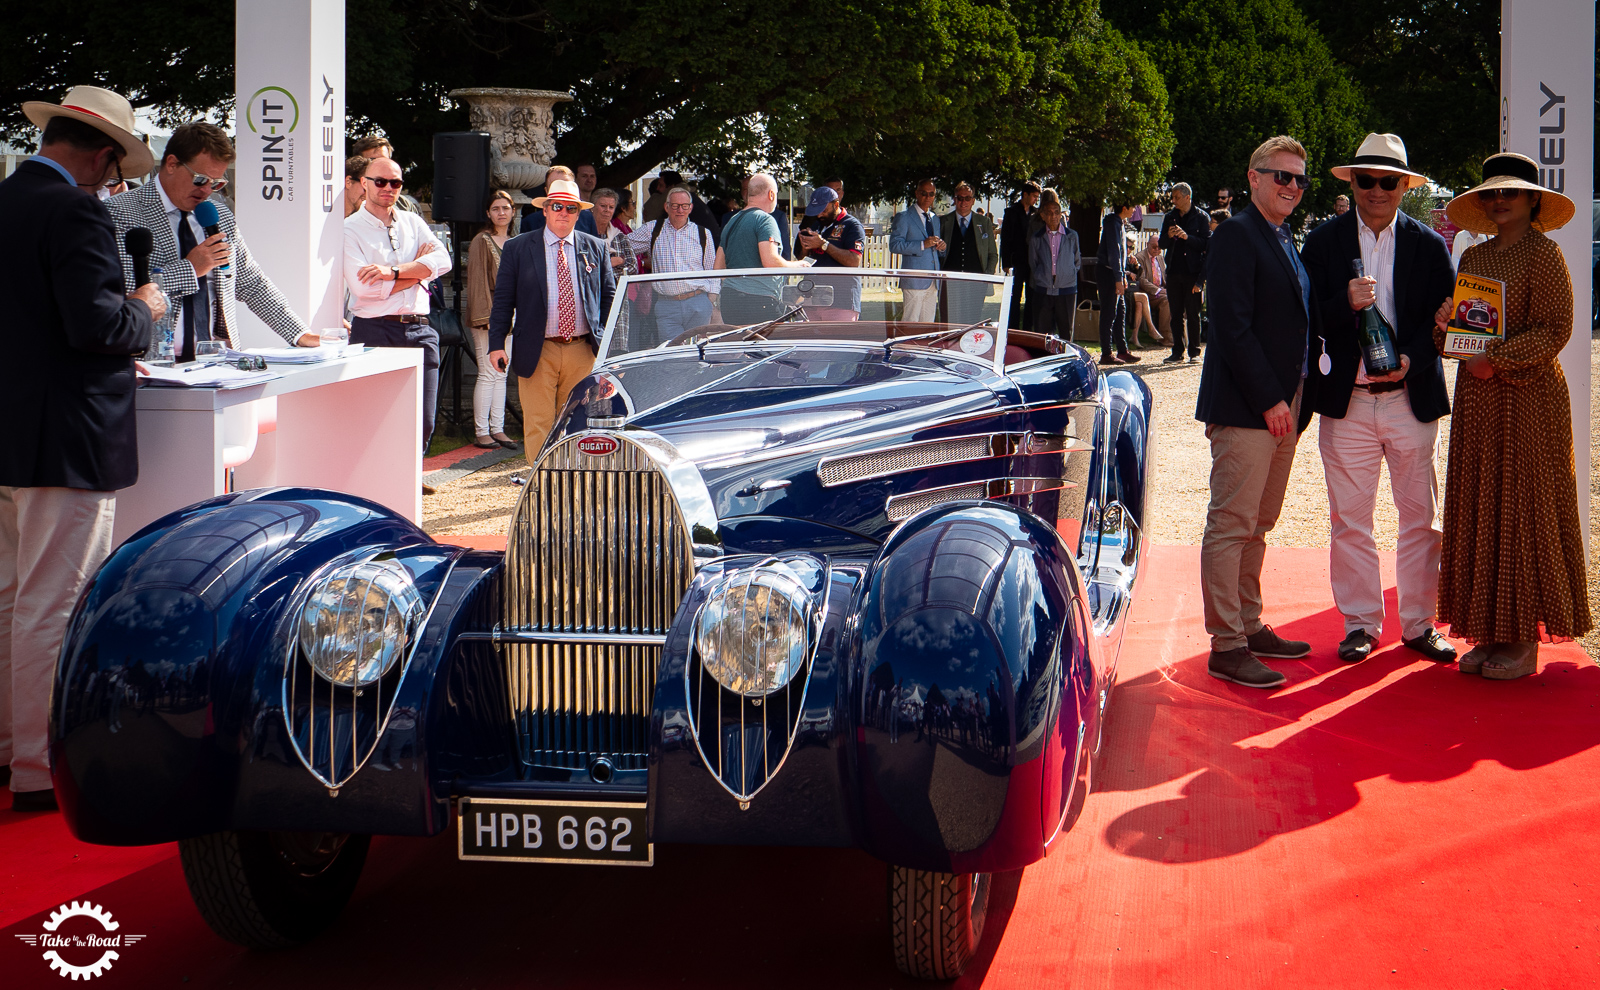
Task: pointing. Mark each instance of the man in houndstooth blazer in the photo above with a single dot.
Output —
(196, 150)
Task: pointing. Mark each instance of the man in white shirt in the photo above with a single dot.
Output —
(678, 244)
(914, 236)
(389, 256)
(1369, 420)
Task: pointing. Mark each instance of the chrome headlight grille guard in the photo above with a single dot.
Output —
(744, 738)
(334, 722)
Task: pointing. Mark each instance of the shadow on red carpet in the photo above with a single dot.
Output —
(1387, 823)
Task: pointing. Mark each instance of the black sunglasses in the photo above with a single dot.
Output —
(1388, 182)
(1487, 194)
(1283, 177)
(380, 183)
(568, 207)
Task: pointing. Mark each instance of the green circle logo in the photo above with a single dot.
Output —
(250, 109)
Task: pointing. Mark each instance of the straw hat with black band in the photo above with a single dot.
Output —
(1382, 153)
(1509, 171)
(104, 111)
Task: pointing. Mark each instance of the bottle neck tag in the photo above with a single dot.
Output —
(1325, 363)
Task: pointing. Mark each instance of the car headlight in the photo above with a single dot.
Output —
(755, 630)
(359, 621)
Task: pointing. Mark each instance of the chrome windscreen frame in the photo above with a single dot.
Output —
(1003, 281)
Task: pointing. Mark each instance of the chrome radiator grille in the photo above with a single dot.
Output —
(597, 548)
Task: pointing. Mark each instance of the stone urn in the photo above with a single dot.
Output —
(521, 128)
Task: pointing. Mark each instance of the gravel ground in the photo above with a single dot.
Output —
(481, 503)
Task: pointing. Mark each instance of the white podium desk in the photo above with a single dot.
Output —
(352, 424)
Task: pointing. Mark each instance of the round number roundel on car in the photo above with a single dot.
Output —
(977, 341)
(598, 446)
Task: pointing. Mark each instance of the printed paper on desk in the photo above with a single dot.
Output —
(1476, 317)
(201, 376)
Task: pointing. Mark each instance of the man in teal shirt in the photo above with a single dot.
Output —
(751, 239)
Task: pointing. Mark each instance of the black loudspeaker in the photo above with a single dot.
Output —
(460, 176)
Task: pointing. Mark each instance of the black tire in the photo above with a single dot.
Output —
(272, 890)
(936, 920)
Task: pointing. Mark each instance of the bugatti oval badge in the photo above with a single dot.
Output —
(598, 446)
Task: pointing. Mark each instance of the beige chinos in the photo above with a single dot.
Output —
(52, 540)
(1249, 475)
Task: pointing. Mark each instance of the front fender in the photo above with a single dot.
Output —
(171, 670)
(973, 698)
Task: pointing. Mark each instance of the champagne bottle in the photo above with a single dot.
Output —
(1378, 350)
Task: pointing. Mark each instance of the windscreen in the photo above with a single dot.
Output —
(950, 311)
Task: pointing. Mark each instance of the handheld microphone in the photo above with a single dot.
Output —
(206, 215)
(139, 242)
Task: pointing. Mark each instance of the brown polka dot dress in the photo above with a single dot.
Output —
(1512, 569)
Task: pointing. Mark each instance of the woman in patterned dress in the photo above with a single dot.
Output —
(1513, 569)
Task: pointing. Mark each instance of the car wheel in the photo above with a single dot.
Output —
(271, 890)
(936, 920)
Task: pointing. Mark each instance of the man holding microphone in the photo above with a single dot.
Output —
(66, 397)
(205, 266)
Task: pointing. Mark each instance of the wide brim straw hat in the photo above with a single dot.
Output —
(105, 111)
(1508, 170)
(561, 191)
(1382, 153)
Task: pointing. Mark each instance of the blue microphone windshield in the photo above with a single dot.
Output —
(206, 214)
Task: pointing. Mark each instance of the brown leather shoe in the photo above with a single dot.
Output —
(1110, 359)
(428, 489)
(1127, 357)
(1242, 667)
(1266, 643)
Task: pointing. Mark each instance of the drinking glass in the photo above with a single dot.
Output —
(208, 351)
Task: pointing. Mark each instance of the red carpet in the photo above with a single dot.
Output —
(1392, 824)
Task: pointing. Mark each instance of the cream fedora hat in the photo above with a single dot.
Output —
(1382, 152)
(104, 110)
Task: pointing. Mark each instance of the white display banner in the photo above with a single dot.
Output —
(289, 176)
(1547, 113)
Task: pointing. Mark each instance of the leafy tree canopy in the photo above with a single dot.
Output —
(1240, 71)
(880, 91)
(1430, 72)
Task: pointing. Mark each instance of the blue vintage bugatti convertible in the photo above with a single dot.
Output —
(785, 578)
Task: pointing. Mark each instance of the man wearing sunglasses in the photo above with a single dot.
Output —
(1368, 420)
(389, 257)
(1254, 402)
(204, 274)
(970, 246)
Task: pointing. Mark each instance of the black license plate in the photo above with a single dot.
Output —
(607, 833)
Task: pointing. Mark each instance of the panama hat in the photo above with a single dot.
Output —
(1382, 152)
(1509, 171)
(105, 111)
(561, 191)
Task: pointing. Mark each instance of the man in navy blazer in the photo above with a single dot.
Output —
(1253, 401)
(1368, 420)
(553, 293)
(66, 396)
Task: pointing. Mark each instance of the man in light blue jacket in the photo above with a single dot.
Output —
(914, 235)
(1053, 278)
